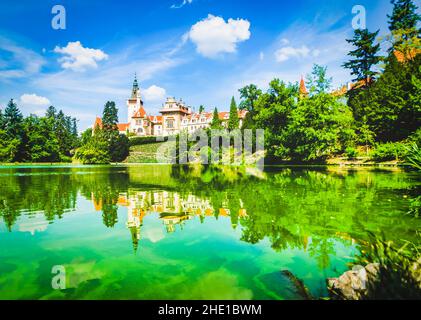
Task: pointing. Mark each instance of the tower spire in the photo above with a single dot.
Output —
(135, 90)
(303, 89)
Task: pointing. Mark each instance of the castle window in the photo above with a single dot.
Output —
(170, 123)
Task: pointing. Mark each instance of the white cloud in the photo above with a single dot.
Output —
(175, 6)
(261, 56)
(154, 93)
(78, 58)
(213, 35)
(34, 100)
(286, 53)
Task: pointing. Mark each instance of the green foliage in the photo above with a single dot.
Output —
(249, 95)
(404, 17)
(301, 130)
(36, 139)
(317, 81)
(119, 148)
(273, 111)
(413, 156)
(106, 144)
(201, 108)
(364, 57)
(415, 207)
(320, 127)
(398, 277)
(389, 151)
(96, 150)
(216, 122)
(391, 107)
(41, 142)
(233, 122)
(137, 141)
(351, 152)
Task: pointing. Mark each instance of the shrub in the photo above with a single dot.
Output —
(351, 152)
(389, 151)
(135, 141)
(413, 156)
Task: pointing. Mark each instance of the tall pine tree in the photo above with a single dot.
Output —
(365, 56)
(404, 17)
(12, 146)
(216, 122)
(233, 122)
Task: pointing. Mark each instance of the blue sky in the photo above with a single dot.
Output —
(202, 51)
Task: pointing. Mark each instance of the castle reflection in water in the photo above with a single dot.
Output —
(173, 210)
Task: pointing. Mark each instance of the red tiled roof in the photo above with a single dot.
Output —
(98, 122)
(139, 113)
(303, 89)
(122, 126)
(155, 119)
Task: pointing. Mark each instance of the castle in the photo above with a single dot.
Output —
(175, 117)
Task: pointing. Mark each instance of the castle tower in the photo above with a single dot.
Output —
(303, 93)
(135, 102)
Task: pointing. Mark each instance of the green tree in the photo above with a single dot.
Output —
(365, 56)
(317, 81)
(319, 127)
(118, 148)
(216, 122)
(404, 17)
(41, 143)
(13, 120)
(201, 108)
(51, 112)
(233, 122)
(110, 117)
(391, 107)
(273, 110)
(96, 149)
(249, 95)
(13, 135)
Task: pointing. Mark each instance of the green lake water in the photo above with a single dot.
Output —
(162, 232)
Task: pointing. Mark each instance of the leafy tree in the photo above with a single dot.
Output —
(41, 144)
(273, 110)
(120, 148)
(96, 150)
(317, 81)
(365, 56)
(391, 107)
(404, 17)
(319, 127)
(365, 135)
(233, 122)
(51, 112)
(110, 117)
(2, 120)
(216, 122)
(86, 136)
(249, 95)
(105, 144)
(13, 135)
(201, 108)
(13, 120)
